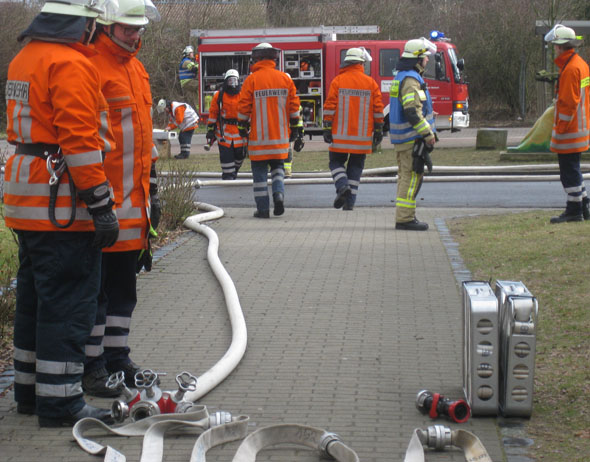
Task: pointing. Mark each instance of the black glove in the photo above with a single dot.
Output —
(299, 143)
(144, 259)
(210, 133)
(421, 156)
(377, 137)
(328, 132)
(296, 132)
(100, 207)
(155, 210)
(106, 228)
(244, 128)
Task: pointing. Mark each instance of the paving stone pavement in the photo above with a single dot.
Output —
(347, 320)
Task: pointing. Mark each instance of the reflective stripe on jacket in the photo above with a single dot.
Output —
(571, 122)
(125, 85)
(182, 116)
(229, 110)
(268, 99)
(354, 106)
(53, 97)
(400, 130)
(187, 70)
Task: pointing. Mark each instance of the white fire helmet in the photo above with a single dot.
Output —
(188, 50)
(161, 106)
(86, 8)
(418, 48)
(561, 35)
(132, 13)
(357, 55)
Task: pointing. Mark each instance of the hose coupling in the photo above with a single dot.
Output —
(219, 418)
(326, 440)
(436, 437)
(144, 409)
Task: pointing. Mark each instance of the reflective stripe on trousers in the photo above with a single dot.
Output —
(347, 174)
(57, 291)
(107, 346)
(408, 185)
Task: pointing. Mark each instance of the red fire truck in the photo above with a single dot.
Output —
(312, 57)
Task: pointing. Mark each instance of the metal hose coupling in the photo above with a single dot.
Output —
(325, 442)
(437, 437)
(435, 404)
(120, 407)
(219, 418)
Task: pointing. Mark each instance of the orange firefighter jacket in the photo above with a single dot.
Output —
(182, 116)
(571, 125)
(353, 106)
(126, 87)
(53, 97)
(269, 101)
(229, 112)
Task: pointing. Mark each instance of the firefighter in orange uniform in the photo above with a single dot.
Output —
(353, 122)
(61, 220)
(184, 117)
(222, 126)
(571, 126)
(268, 115)
(131, 169)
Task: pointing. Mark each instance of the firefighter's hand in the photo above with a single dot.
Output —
(299, 143)
(210, 133)
(144, 259)
(155, 210)
(328, 136)
(377, 137)
(244, 129)
(296, 132)
(106, 228)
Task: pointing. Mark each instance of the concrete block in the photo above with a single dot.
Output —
(491, 138)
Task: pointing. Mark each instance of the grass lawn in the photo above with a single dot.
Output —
(552, 261)
(312, 161)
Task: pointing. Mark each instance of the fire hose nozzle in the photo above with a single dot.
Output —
(434, 404)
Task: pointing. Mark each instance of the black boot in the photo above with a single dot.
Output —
(130, 369)
(566, 217)
(586, 208)
(262, 214)
(94, 383)
(278, 199)
(103, 415)
(413, 225)
(342, 197)
(182, 155)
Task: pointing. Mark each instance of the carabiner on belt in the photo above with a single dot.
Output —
(55, 173)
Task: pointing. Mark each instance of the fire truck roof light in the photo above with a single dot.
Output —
(437, 35)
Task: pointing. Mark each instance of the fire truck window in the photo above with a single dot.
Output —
(387, 61)
(436, 68)
(367, 65)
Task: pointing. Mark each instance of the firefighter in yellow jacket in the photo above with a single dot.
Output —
(353, 122)
(131, 169)
(571, 126)
(63, 218)
(411, 129)
(268, 115)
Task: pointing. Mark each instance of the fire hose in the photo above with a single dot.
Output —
(439, 438)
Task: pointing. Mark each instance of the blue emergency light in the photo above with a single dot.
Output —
(436, 35)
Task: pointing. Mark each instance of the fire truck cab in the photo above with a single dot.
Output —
(312, 57)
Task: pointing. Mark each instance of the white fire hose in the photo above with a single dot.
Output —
(221, 427)
(237, 348)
